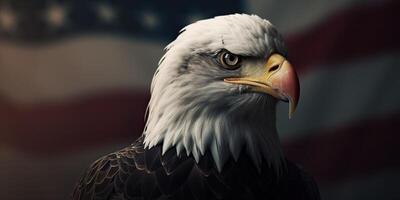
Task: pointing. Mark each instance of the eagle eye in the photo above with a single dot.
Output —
(229, 60)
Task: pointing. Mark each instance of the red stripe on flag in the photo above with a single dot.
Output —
(359, 31)
(61, 127)
(354, 150)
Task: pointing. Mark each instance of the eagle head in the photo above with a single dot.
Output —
(216, 90)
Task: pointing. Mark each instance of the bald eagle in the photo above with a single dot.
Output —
(211, 127)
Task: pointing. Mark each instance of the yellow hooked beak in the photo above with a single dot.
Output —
(278, 79)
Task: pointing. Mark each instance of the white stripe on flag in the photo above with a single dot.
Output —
(45, 178)
(76, 66)
(342, 93)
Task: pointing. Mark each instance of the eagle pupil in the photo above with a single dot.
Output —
(231, 59)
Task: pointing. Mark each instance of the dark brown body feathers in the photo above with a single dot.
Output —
(138, 173)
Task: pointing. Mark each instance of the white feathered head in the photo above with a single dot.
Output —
(216, 90)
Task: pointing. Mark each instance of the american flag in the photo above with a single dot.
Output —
(75, 78)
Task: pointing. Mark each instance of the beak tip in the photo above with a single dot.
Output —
(290, 115)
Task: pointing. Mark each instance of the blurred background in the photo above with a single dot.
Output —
(75, 77)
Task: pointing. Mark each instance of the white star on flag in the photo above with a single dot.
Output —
(8, 20)
(56, 15)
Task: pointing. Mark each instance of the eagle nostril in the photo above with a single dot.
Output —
(273, 68)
